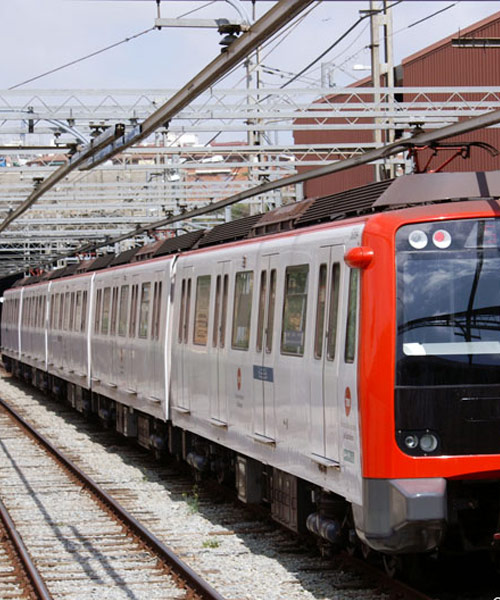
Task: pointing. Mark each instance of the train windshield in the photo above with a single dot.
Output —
(448, 303)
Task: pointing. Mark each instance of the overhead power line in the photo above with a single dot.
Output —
(79, 60)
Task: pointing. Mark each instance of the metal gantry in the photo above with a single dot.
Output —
(202, 156)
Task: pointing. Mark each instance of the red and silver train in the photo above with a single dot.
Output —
(340, 357)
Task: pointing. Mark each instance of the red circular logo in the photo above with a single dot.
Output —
(347, 402)
(238, 379)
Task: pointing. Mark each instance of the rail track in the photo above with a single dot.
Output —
(19, 577)
(243, 557)
(83, 543)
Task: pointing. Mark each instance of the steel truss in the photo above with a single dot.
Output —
(180, 168)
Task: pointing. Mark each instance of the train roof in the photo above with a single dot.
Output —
(389, 194)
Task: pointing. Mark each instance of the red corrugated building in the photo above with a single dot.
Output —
(441, 64)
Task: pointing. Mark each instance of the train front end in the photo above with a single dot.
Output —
(430, 379)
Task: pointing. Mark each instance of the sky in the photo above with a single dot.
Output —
(39, 35)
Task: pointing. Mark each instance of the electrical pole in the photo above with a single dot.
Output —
(382, 72)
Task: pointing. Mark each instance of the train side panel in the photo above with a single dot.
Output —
(128, 336)
(251, 366)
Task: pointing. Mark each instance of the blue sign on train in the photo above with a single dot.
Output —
(263, 373)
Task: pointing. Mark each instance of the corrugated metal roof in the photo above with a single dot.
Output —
(179, 243)
(229, 232)
(484, 23)
(350, 202)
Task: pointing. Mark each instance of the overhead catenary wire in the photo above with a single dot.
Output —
(83, 58)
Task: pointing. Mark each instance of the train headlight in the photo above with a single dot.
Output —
(411, 441)
(418, 239)
(428, 442)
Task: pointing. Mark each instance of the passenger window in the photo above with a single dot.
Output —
(223, 312)
(350, 340)
(52, 310)
(182, 311)
(320, 312)
(67, 310)
(144, 310)
(78, 311)
(106, 307)
(242, 310)
(187, 311)
(333, 312)
(202, 304)
(84, 311)
(294, 310)
(97, 321)
(133, 310)
(44, 310)
(114, 311)
(122, 317)
(215, 333)
(61, 311)
(72, 313)
(155, 322)
(262, 306)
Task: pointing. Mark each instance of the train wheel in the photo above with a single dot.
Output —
(392, 565)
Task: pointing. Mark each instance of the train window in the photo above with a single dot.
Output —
(320, 312)
(122, 316)
(44, 311)
(133, 310)
(158, 310)
(84, 311)
(294, 310)
(62, 304)
(97, 311)
(144, 310)
(350, 340)
(215, 333)
(78, 311)
(242, 310)
(262, 306)
(187, 311)
(223, 312)
(67, 310)
(52, 300)
(114, 311)
(183, 308)
(155, 322)
(202, 304)
(106, 309)
(332, 312)
(72, 313)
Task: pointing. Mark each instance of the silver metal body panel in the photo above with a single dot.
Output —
(131, 370)
(287, 411)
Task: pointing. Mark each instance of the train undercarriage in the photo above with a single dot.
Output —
(472, 522)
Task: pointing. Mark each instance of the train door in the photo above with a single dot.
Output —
(218, 400)
(158, 379)
(325, 361)
(263, 368)
(183, 375)
(132, 355)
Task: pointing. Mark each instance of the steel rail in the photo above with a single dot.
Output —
(178, 566)
(31, 571)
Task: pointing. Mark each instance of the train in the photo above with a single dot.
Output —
(336, 359)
